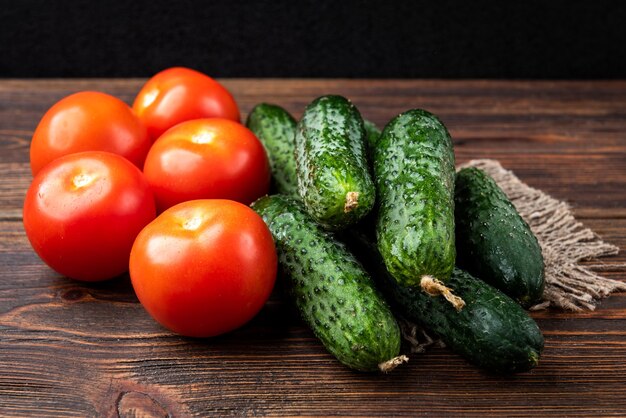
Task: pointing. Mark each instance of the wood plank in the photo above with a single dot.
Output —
(544, 116)
(75, 349)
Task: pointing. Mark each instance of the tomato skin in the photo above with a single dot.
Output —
(207, 159)
(204, 267)
(180, 94)
(88, 121)
(83, 211)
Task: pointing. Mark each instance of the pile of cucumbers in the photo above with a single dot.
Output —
(368, 224)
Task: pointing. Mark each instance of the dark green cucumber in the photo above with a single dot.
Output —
(493, 240)
(414, 173)
(332, 291)
(276, 129)
(492, 331)
(333, 177)
(372, 133)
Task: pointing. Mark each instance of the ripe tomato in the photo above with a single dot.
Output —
(83, 211)
(180, 94)
(204, 267)
(89, 121)
(207, 159)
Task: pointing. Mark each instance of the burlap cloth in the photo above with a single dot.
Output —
(565, 242)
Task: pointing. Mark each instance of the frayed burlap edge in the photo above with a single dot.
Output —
(564, 242)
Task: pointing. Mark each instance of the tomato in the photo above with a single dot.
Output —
(207, 159)
(204, 267)
(83, 211)
(89, 121)
(180, 94)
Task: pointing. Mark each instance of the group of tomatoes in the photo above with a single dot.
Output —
(103, 171)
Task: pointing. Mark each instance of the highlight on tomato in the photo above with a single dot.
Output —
(83, 211)
(207, 159)
(89, 121)
(204, 267)
(180, 94)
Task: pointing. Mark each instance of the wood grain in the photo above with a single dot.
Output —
(73, 349)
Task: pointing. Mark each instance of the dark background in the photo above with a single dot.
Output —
(435, 39)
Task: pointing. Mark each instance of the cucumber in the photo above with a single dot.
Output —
(333, 177)
(492, 331)
(372, 133)
(493, 240)
(332, 291)
(276, 129)
(414, 173)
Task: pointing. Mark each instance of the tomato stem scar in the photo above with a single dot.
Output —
(192, 224)
(82, 180)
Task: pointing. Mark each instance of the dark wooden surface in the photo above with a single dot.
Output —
(72, 349)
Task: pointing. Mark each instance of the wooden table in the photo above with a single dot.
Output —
(74, 349)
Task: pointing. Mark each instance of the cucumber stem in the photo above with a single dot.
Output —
(534, 358)
(434, 287)
(389, 365)
(352, 201)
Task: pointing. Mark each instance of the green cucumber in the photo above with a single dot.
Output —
(491, 331)
(333, 177)
(372, 133)
(414, 173)
(332, 291)
(493, 240)
(276, 129)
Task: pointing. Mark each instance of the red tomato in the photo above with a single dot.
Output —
(204, 267)
(180, 94)
(89, 121)
(207, 159)
(83, 211)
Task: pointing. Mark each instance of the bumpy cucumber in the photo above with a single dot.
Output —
(493, 240)
(333, 178)
(334, 294)
(492, 331)
(372, 133)
(276, 129)
(414, 173)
